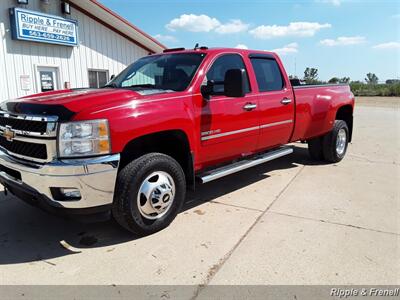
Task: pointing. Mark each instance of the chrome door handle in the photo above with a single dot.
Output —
(286, 101)
(250, 106)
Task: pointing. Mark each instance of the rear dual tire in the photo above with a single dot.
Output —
(332, 146)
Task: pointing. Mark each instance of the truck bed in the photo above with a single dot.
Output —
(316, 107)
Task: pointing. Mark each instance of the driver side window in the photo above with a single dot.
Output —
(219, 68)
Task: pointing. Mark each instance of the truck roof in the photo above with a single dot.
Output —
(217, 50)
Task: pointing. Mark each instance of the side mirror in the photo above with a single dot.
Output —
(112, 77)
(235, 83)
(208, 89)
(295, 82)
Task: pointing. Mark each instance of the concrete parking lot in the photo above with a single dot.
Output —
(290, 221)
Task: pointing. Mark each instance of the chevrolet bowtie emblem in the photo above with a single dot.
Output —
(9, 134)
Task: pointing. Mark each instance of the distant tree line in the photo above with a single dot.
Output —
(371, 86)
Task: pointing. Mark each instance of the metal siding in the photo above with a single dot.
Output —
(100, 48)
(3, 72)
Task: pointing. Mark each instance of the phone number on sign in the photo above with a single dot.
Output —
(50, 36)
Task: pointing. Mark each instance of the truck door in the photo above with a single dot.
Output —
(276, 102)
(229, 126)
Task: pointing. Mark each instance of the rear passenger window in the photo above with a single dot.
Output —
(268, 74)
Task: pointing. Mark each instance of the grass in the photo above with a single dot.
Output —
(388, 90)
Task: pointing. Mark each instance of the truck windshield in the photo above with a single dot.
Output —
(172, 72)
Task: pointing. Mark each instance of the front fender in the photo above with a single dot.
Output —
(136, 118)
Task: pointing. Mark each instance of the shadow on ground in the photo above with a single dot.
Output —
(27, 234)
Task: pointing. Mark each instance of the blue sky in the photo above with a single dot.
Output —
(339, 37)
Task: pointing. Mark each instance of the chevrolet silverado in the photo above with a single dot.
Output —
(167, 122)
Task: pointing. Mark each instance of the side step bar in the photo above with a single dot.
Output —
(244, 164)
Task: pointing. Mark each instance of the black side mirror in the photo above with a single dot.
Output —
(235, 83)
(112, 77)
(208, 89)
(295, 82)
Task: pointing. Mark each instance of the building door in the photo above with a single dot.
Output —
(47, 79)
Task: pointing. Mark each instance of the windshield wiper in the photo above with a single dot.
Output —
(111, 85)
(144, 85)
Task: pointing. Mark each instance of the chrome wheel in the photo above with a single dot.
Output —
(156, 194)
(341, 141)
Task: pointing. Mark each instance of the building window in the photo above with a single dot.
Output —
(98, 78)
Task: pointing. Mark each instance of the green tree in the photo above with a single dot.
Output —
(371, 78)
(311, 75)
(334, 80)
(393, 81)
(344, 80)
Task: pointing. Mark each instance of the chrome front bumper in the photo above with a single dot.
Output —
(94, 177)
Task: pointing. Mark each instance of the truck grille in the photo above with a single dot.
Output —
(25, 149)
(28, 137)
(24, 125)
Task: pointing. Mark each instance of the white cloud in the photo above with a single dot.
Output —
(234, 26)
(165, 38)
(299, 29)
(204, 23)
(193, 23)
(388, 45)
(333, 2)
(288, 49)
(241, 46)
(343, 41)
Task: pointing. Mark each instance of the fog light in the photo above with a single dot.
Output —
(70, 193)
(65, 194)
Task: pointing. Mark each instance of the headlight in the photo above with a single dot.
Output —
(83, 138)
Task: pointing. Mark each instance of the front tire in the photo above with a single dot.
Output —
(335, 143)
(149, 194)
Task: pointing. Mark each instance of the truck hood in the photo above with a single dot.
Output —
(66, 103)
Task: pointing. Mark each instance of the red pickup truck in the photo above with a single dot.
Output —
(166, 122)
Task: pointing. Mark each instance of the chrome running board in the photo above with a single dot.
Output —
(244, 164)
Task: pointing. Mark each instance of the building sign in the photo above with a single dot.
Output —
(37, 27)
(25, 82)
(46, 81)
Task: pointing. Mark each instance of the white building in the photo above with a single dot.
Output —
(53, 44)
